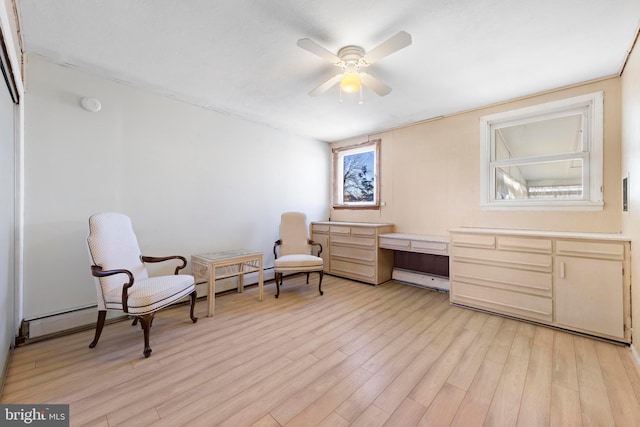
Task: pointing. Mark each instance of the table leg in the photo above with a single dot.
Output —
(240, 278)
(260, 279)
(211, 295)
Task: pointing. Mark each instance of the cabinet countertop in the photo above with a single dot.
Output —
(418, 237)
(352, 224)
(540, 233)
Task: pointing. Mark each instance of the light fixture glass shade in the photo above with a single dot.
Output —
(351, 82)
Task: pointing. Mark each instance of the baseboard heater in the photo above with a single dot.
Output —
(83, 318)
(62, 323)
(424, 280)
(422, 269)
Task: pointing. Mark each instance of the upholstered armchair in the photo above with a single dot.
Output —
(122, 281)
(293, 251)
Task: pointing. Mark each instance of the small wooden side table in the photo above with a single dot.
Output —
(237, 262)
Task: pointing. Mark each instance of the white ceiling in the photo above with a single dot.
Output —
(240, 56)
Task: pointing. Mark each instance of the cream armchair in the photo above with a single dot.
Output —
(122, 282)
(293, 251)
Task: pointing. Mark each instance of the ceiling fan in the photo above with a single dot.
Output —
(351, 60)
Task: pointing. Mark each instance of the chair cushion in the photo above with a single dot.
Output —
(298, 262)
(151, 294)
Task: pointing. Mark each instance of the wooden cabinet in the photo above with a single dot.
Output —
(505, 274)
(576, 281)
(352, 250)
(589, 279)
(320, 234)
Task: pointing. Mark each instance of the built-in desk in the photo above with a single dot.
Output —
(419, 259)
(415, 243)
(350, 249)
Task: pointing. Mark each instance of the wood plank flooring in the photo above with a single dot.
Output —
(391, 355)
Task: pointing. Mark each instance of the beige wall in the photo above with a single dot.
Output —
(631, 168)
(430, 174)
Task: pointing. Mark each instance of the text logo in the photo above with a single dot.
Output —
(34, 415)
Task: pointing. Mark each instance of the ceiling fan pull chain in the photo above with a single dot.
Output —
(360, 101)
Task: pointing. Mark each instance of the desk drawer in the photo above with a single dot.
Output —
(357, 254)
(525, 244)
(363, 231)
(340, 229)
(429, 247)
(353, 270)
(399, 244)
(320, 228)
(473, 240)
(362, 242)
(503, 301)
(524, 281)
(408, 244)
(521, 260)
(602, 250)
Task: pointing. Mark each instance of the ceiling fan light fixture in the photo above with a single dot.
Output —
(351, 59)
(351, 82)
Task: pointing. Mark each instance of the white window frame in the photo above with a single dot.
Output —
(591, 106)
(338, 175)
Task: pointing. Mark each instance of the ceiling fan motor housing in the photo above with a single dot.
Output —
(351, 58)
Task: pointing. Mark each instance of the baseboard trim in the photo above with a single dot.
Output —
(84, 318)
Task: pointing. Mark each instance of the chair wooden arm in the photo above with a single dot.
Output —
(144, 258)
(314, 243)
(309, 241)
(97, 271)
(275, 245)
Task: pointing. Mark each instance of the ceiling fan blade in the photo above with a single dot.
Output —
(313, 47)
(375, 85)
(326, 85)
(395, 43)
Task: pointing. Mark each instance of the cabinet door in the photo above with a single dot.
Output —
(588, 295)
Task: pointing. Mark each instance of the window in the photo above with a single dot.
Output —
(356, 175)
(548, 156)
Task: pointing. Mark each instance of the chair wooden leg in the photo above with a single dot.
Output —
(102, 315)
(307, 278)
(320, 282)
(193, 306)
(146, 321)
(278, 277)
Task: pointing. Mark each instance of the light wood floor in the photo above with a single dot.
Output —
(359, 355)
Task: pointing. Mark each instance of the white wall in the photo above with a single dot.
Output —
(7, 220)
(10, 115)
(191, 179)
(631, 169)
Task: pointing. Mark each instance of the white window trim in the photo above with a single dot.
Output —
(593, 144)
(338, 153)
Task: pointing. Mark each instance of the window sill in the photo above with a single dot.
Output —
(543, 206)
(357, 207)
